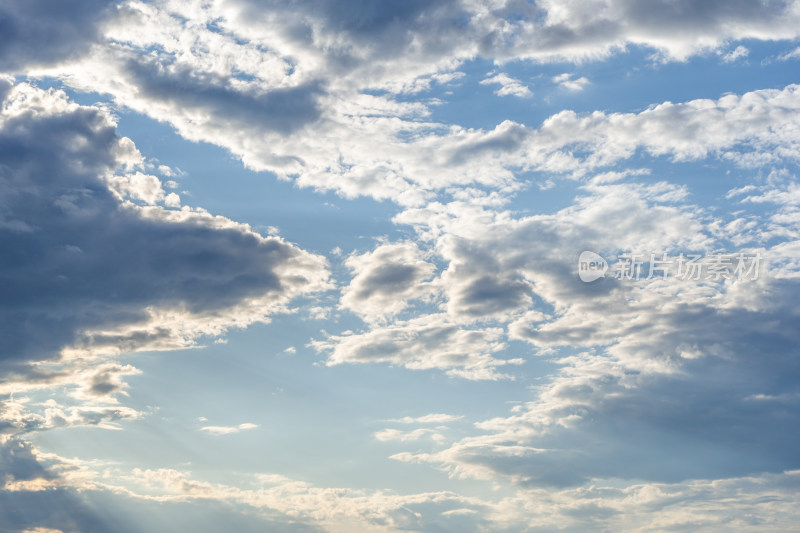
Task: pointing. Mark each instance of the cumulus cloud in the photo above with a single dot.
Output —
(273, 76)
(38, 32)
(386, 278)
(92, 269)
(638, 355)
(106, 261)
(99, 265)
(367, 39)
(35, 498)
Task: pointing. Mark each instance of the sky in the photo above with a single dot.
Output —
(399, 266)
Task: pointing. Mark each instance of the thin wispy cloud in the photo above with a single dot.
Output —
(227, 430)
(433, 418)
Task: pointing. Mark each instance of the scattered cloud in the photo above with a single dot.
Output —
(508, 86)
(669, 405)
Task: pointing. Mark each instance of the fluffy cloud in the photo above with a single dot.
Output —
(281, 86)
(369, 40)
(97, 264)
(636, 357)
(92, 270)
(422, 343)
(386, 278)
(39, 32)
(96, 267)
(645, 369)
(34, 498)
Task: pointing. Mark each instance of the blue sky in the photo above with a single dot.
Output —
(314, 266)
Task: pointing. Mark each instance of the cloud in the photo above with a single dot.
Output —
(227, 430)
(433, 418)
(635, 358)
(422, 343)
(99, 272)
(260, 87)
(568, 81)
(793, 54)
(34, 498)
(750, 503)
(101, 265)
(736, 54)
(508, 86)
(105, 261)
(406, 436)
(38, 32)
(355, 38)
(386, 278)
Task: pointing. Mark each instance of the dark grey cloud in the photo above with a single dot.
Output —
(40, 32)
(363, 28)
(42, 494)
(48, 506)
(389, 279)
(659, 382)
(660, 14)
(386, 279)
(727, 408)
(76, 258)
(282, 110)
(351, 32)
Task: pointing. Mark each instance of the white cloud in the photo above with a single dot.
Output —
(736, 54)
(227, 430)
(508, 86)
(426, 342)
(139, 186)
(793, 54)
(406, 436)
(433, 418)
(257, 89)
(568, 81)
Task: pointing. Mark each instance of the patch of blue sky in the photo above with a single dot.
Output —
(298, 404)
(629, 82)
